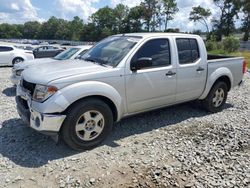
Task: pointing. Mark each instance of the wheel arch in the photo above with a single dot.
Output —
(17, 57)
(221, 74)
(226, 80)
(105, 99)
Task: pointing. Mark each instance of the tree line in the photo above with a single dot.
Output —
(149, 16)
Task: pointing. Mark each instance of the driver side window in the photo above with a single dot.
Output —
(158, 50)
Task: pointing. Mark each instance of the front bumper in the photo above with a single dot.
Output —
(49, 124)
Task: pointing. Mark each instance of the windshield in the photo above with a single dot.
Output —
(66, 54)
(111, 50)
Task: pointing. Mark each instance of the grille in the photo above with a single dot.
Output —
(29, 86)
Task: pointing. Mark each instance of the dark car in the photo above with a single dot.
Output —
(46, 51)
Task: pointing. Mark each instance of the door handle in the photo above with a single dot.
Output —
(200, 69)
(170, 73)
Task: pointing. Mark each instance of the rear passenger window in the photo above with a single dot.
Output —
(188, 50)
(158, 50)
(5, 49)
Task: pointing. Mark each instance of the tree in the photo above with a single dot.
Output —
(121, 14)
(104, 18)
(169, 10)
(31, 29)
(64, 31)
(90, 33)
(148, 13)
(134, 20)
(10, 31)
(228, 11)
(75, 28)
(246, 19)
(199, 14)
(49, 28)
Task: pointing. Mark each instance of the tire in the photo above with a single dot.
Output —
(87, 124)
(216, 98)
(17, 60)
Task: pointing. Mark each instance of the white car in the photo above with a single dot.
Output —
(71, 53)
(10, 55)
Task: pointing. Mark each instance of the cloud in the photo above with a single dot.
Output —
(67, 9)
(129, 3)
(181, 19)
(17, 11)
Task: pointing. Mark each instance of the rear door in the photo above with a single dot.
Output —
(191, 69)
(6, 55)
(153, 86)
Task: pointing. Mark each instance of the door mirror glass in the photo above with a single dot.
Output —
(141, 63)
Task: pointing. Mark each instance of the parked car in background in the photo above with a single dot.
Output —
(25, 47)
(46, 51)
(10, 55)
(71, 53)
(123, 75)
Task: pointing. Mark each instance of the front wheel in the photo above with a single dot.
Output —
(216, 98)
(87, 124)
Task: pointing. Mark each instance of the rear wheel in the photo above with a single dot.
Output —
(17, 60)
(216, 98)
(87, 124)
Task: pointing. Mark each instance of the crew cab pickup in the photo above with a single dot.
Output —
(121, 76)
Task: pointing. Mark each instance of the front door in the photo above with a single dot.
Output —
(152, 86)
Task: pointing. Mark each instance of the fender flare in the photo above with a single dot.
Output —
(66, 96)
(220, 72)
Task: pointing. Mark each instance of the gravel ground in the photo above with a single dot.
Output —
(180, 146)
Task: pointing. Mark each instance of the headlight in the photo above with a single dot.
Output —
(42, 92)
(19, 72)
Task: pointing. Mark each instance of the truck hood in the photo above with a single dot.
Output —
(27, 64)
(43, 74)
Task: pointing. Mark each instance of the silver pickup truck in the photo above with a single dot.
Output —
(121, 76)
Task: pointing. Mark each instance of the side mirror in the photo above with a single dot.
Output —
(141, 63)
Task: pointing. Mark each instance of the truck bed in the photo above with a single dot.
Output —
(213, 57)
(230, 63)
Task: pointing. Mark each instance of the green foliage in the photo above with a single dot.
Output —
(228, 44)
(231, 44)
(31, 30)
(246, 19)
(212, 44)
(149, 14)
(199, 14)
(11, 31)
(224, 24)
(169, 10)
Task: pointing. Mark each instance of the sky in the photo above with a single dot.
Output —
(20, 11)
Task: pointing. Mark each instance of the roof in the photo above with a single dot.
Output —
(82, 46)
(152, 34)
(6, 45)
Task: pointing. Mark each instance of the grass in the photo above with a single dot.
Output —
(245, 54)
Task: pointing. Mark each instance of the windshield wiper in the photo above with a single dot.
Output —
(96, 61)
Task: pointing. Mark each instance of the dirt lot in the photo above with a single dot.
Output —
(180, 146)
